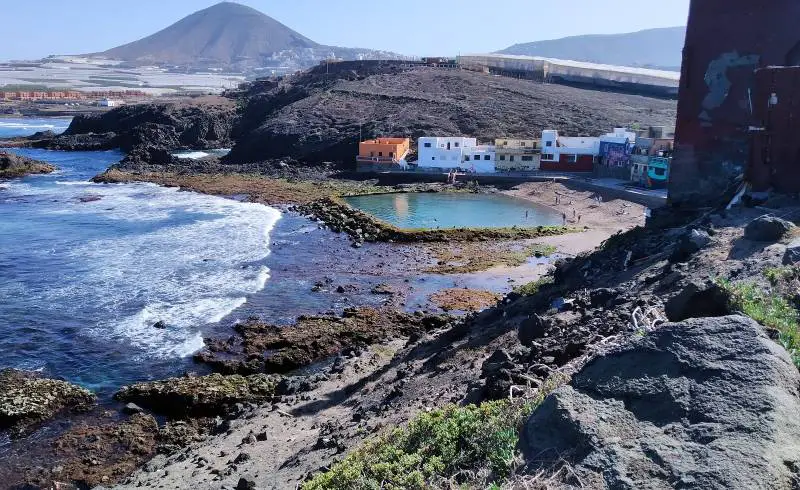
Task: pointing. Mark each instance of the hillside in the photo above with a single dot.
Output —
(652, 48)
(316, 118)
(230, 35)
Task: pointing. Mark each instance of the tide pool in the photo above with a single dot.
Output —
(455, 210)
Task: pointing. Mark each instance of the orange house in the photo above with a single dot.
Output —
(383, 150)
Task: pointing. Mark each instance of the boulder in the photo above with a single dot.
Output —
(531, 329)
(689, 244)
(27, 400)
(706, 403)
(767, 229)
(698, 300)
(792, 254)
(210, 395)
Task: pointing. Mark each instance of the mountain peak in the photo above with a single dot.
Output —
(225, 34)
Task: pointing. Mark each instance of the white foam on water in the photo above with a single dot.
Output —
(15, 125)
(194, 261)
(191, 155)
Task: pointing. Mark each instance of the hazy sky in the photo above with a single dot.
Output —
(411, 27)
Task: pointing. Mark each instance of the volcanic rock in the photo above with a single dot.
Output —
(767, 229)
(12, 166)
(199, 396)
(27, 400)
(707, 403)
(697, 300)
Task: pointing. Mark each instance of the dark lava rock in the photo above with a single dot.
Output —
(707, 403)
(292, 385)
(245, 484)
(242, 458)
(27, 400)
(201, 395)
(792, 255)
(161, 325)
(531, 329)
(767, 229)
(689, 244)
(12, 165)
(698, 300)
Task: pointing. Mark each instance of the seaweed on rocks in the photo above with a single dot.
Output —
(263, 348)
(27, 400)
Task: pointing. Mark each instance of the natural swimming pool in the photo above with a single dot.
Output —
(455, 210)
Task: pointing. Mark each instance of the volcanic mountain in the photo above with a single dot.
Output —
(230, 35)
(652, 48)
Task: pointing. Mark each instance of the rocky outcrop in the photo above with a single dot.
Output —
(708, 403)
(210, 395)
(768, 229)
(26, 400)
(311, 339)
(14, 166)
(141, 129)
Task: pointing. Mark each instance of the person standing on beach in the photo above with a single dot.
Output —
(564, 217)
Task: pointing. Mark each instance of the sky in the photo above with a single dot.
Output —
(411, 27)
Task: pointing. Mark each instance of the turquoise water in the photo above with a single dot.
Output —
(450, 210)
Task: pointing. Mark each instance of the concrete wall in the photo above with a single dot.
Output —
(726, 41)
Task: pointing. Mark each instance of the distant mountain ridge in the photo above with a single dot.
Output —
(652, 48)
(232, 36)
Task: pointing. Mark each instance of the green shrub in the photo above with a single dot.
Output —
(533, 287)
(444, 444)
(770, 310)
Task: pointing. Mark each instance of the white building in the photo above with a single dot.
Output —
(454, 153)
(619, 136)
(556, 148)
(108, 103)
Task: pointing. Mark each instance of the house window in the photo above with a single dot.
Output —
(477, 157)
(549, 143)
(502, 158)
(511, 158)
(548, 157)
(505, 143)
(380, 153)
(457, 145)
(391, 154)
(527, 159)
(427, 145)
(522, 144)
(372, 153)
(487, 157)
(660, 172)
(466, 158)
(572, 158)
(433, 158)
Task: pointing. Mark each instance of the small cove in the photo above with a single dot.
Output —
(454, 210)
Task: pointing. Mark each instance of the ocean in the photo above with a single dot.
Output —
(12, 127)
(87, 270)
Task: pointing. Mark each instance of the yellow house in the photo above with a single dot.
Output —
(517, 155)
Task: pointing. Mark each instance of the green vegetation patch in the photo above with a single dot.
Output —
(534, 287)
(451, 443)
(769, 309)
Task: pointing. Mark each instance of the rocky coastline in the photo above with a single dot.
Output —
(697, 395)
(15, 166)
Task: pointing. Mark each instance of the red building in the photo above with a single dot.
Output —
(726, 41)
